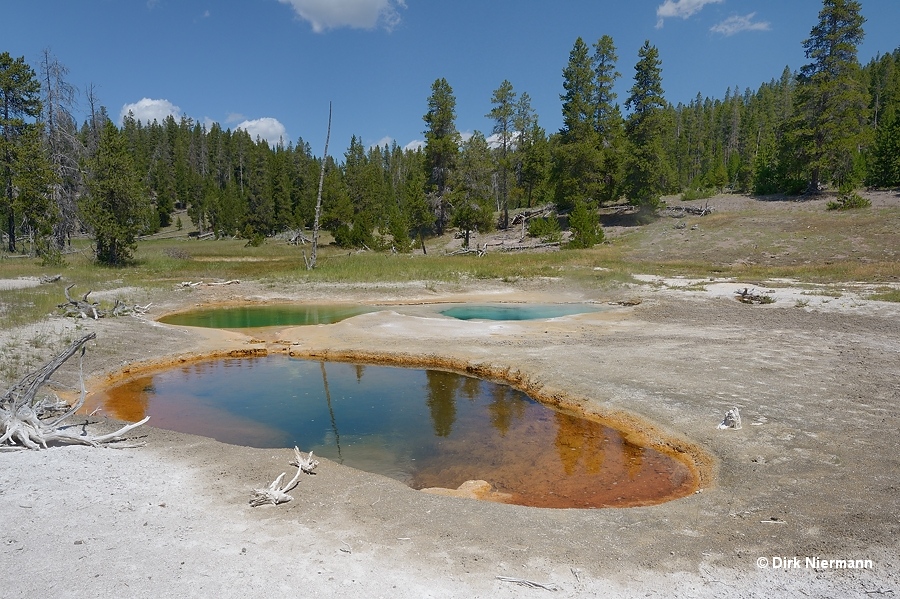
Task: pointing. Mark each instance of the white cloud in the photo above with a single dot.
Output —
(147, 110)
(680, 8)
(235, 117)
(736, 24)
(358, 14)
(267, 128)
(387, 140)
(416, 144)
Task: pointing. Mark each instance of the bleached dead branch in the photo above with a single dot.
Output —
(277, 493)
(21, 410)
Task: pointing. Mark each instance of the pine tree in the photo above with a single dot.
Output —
(115, 206)
(503, 114)
(33, 179)
(442, 142)
(472, 188)
(647, 171)
(831, 99)
(19, 101)
(577, 161)
(608, 119)
(884, 170)
(585, 227)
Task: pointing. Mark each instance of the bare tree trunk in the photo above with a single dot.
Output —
(21, 410)
(311, 263)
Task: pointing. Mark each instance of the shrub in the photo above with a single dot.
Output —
(547, 229)
(849, 200)
(697, 194)
(585, 226)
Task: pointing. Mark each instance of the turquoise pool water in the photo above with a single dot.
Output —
(516, 311)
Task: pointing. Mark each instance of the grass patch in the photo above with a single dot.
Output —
(886, 295)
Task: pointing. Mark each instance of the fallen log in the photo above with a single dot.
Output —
(683, 210)
(526, 247)
(24, 420)
(211, 284)
(82, 308)
(747, 296)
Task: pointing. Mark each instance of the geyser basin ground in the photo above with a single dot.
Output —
(427, 428)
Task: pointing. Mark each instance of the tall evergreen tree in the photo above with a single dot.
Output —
(648, 173)
(20, 101)
(831, 99)
(503, 114)
(577, 162)
(608, 119)
(33, 179)
(472, 188)
(884, 170)
(442, 142)
(115, 207)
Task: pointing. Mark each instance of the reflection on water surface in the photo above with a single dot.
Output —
(427, 428)
(244, 317)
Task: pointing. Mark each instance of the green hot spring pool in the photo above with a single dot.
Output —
(244, 317)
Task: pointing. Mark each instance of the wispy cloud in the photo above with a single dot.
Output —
(266, 128)
(680, 8)
(147, 110)
(737, 23)
(387, 140)
(358, 14)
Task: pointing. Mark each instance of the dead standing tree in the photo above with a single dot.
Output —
(311, 262)
(24, 416)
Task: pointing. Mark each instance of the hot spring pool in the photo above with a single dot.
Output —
(427, 428)
(516, 311)
(243, 317)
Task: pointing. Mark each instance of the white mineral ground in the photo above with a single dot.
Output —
(813, 472)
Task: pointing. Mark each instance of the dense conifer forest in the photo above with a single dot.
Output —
(833, 123)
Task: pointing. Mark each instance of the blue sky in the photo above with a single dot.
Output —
(272, 66)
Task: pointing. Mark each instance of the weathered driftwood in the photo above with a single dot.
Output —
(524, 215)
(82, 308)
(529, 583)
(24, 419)
(277, 493)
(747, 296)
(732, 419)
(297, 237)
(477, 250)
(122, 309)
(525, 247)
(683, 210)
(211, 284)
